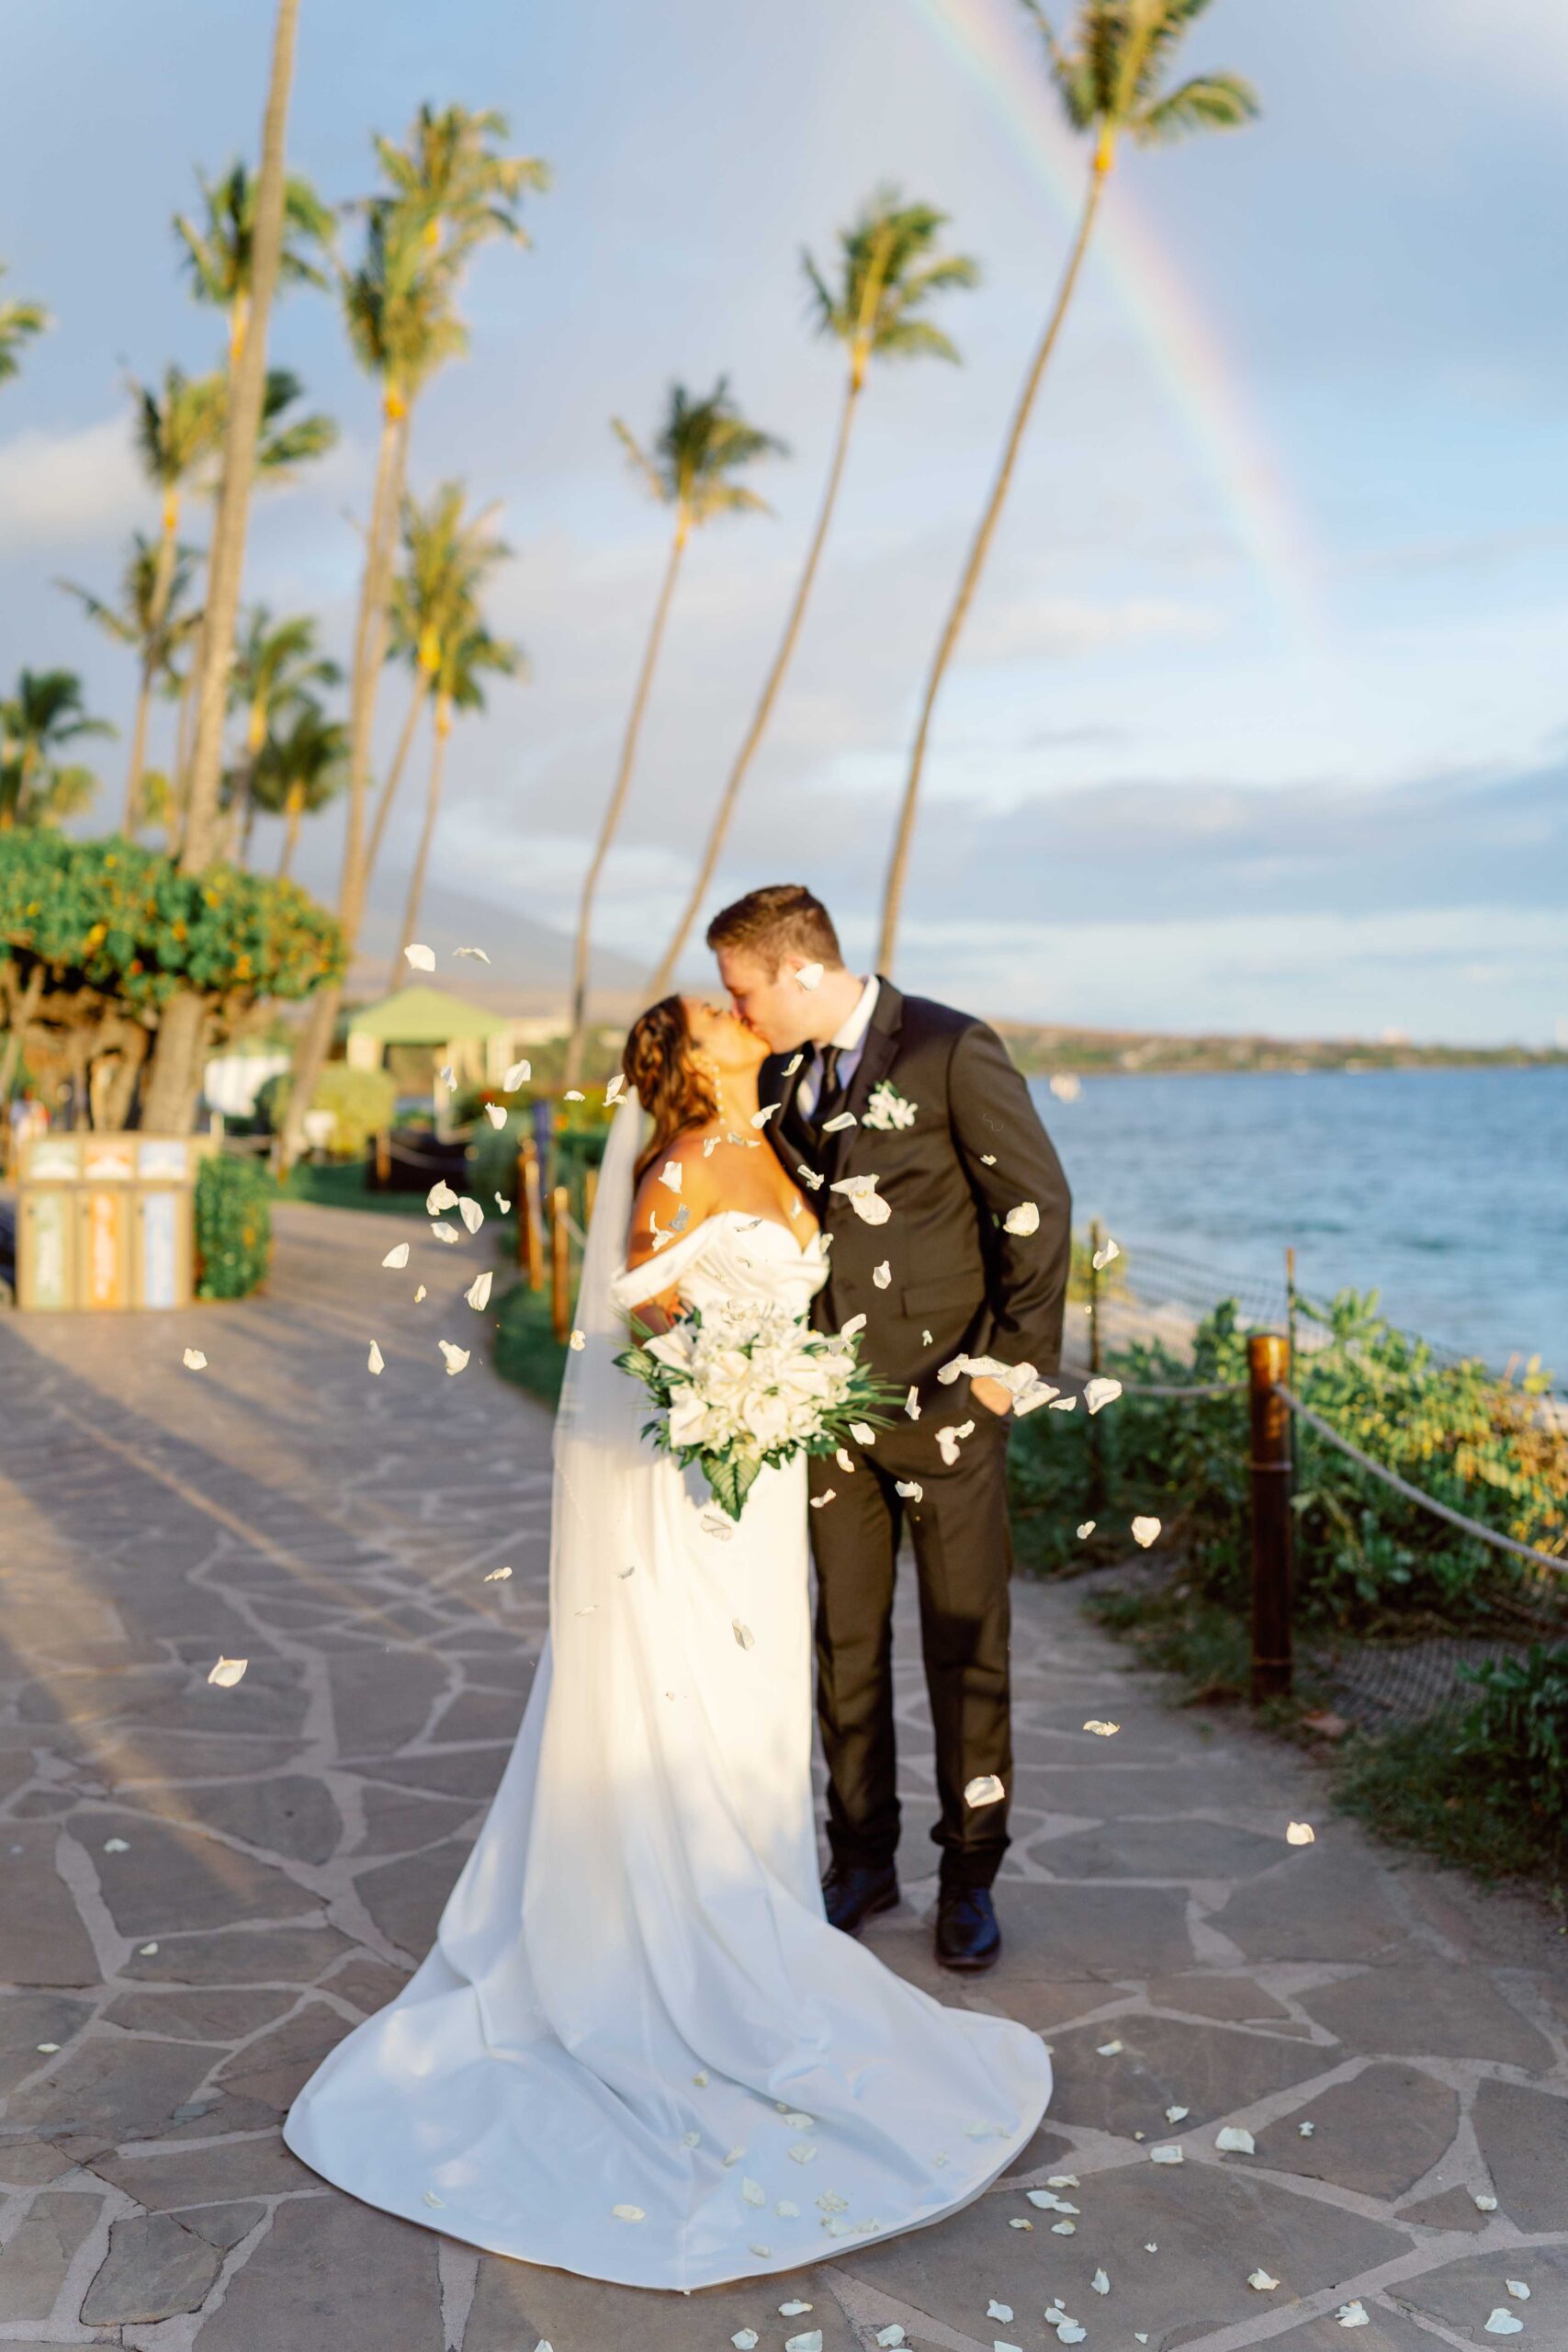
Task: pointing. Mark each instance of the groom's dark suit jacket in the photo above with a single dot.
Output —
(960, 1283)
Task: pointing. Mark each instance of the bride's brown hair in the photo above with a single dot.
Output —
(661, 1067)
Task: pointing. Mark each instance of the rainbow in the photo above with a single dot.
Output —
(1158, 304)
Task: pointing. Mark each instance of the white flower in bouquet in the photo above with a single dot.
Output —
(745, 1386)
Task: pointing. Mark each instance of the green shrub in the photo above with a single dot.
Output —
(362, 1101)
(1518, 1730)
(1366, 1558)
(526, 1350)
(234, 1227)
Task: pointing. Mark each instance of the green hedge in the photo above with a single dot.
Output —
(234, 1227)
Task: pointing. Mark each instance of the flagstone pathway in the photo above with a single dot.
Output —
(202, 1888)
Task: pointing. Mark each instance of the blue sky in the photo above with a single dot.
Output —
(1154, 797)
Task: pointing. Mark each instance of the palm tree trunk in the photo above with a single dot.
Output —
(617, 802)
(427, 832)
(174, 1080)
(969, 580)
(292, 806)
(394, 773)
(659, 986)
(132, 818)
(370, 652)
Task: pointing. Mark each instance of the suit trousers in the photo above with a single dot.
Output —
(963, 1561)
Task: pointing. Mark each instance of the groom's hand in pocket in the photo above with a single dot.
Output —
(991, 1393)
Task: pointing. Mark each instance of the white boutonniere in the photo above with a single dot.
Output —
(887, 1109)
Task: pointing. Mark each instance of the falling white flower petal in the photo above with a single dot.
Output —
(882, 1276)
(1503, 2322)
(1067, 1086)
(1101, 1391)
(716, 1522)
(419, 957)
(1233, 2141)
(985, 1789)
(628, 2214)
(447, 1233)
(397, 1255)
(820, 1502)
(375, 1361)
(910, 1488)
(1024, 1219)
(1300, 1833)
(498, 1576)
(420, 1293)
(912, 1403)
(670, 1175)
(574, 1094)
(615, 1089)
(835, 1126)
(455, 1357)
(843, 1459)
(1103, 1730)
(743, 1634)
(473, 1216)
(518, 1075)
(1145, 1532)
(496, 1114)
(439, 1197)
(863, 1434)
(809, 977)
(194, 1360)
(577, 1341)
(987, 1159)
(1261, 2280)
(228, 1671)
(478, 1292)
(760, 1118)
(1102, 1257)
(1086, 1530)
(855, 1324)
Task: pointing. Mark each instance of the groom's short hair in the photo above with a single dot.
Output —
(781, 920)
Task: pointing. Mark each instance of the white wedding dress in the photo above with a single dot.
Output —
(637, 2051)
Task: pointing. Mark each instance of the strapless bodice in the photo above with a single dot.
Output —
(729, 1257)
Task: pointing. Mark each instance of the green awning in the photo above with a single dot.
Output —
(420, 1016)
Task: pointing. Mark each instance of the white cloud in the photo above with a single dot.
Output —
(60, 490)
(1061, 628)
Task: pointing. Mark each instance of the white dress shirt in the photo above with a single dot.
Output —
(849, 1038)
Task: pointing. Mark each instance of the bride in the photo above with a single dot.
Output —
(637, 2051)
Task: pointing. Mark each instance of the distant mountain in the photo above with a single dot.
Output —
(530, 962)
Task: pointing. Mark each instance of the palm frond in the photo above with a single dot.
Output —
(1208, 102)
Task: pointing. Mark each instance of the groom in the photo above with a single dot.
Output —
(912, 1105)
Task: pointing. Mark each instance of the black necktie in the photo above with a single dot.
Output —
(829, 1091)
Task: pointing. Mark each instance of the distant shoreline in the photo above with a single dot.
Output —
(1043, 1052)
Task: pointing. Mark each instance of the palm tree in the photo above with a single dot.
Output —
(17, 322)
(169, 1097)
(179, 428)
(45, 713)
(275, 664)
(447, 557)
(467, 654)
(300, 769)
(149, 618)
(1111, 79)
(451, 191)
(888, 271)
(220, 251)
(700, 446)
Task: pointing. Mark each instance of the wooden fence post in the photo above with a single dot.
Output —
(530, 1232)
(1096, 1441)
(589, 1194)
(1269, 1364)
(383, 1158)
(560, 1262)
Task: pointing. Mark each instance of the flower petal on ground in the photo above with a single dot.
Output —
(1165, 2156)
(1261, 2280)
(228, 1671)
(1103, 1730)
(1504, 2323)
(1233, 2141)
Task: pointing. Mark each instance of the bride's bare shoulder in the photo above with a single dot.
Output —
(680, 1179)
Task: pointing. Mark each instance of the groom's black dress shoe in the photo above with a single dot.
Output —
(968, 1935)
(850, 1894)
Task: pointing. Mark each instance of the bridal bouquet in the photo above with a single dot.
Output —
(750, 1385)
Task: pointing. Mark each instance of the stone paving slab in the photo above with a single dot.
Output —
(202, 1889)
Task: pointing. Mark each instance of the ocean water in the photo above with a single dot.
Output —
(1445, 1190)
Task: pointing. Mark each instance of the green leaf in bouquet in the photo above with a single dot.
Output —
(732, 1479)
